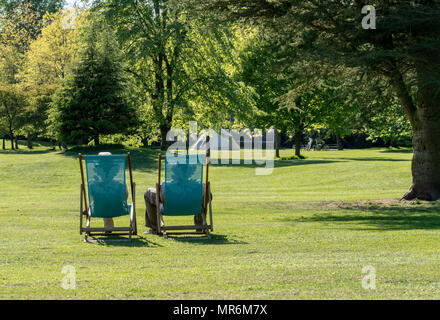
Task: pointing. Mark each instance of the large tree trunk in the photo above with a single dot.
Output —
(426, 160)
(4, 143)
(16, 142)
(425, 122)
(426, 145)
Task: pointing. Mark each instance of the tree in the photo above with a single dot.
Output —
(167, 57)
(153, 44)
(36, 113)
(10, 59)
(258, 61)
(333, 108)
(93, 99)
(50, 55)
(12, 109)
(46, 64)
(403, 49)
(289, 98)
(20, 26)
(381, 118)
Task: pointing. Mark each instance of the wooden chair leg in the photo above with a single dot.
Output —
(206, 231)
(134, 209)
(81, 209)
(157, 209)
(131, 222)
(164, 232)
(88, 224)
(210, 206)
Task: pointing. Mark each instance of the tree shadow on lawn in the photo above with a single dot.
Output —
(119, 241)
(277, 163)
(405, 150)
(382, 217)
(146, 159)
(143, 159)
(374, 159)
(216, 239)
(302, 162)
(25, 151)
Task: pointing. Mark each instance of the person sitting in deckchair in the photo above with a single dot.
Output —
(182, 193)
(106, 182)
(106, 193)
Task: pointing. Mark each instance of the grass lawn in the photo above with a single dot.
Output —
(304, 232)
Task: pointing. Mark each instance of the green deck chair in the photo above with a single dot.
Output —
(106, 193)
(184, 193)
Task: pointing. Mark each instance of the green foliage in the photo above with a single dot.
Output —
(10, 59)
(38, 102)
(258, 60)
(47, 63)
(183, 65)
(291, 98)
(41, 6)
(384, 120)
(332, 106)
(49, 56)
(181, 68)
(12, 108)
(93, 100)
(20, 26)
(404, 49)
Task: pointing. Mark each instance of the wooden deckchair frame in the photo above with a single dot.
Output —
(85, 209)
(206, 205)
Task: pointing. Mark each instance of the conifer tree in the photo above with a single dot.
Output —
(93, 99)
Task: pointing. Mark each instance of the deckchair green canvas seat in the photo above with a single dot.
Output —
(106, 186)
(184, 192)
(107, 193)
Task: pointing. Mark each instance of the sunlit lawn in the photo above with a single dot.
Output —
(304, 231)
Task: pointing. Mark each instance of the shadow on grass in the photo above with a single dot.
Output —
(382, 217)
(25, 151)
(146, 158)
(394, 150)
(119, 241)
(141, 158)
(277, 163)
(374, 159)
(216, 239)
